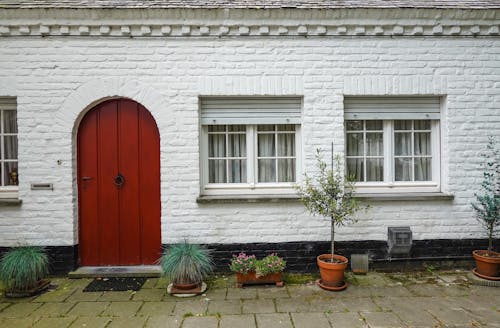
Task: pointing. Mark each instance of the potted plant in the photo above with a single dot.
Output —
(251, 271)
(22, 271)
(329, 193)
(487, 209)
(186, 265)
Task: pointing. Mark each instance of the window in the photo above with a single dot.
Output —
(259, 156)
(401, 153)
(8, 146)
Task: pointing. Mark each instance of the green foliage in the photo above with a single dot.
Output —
(243, 263)
(186, 263)
(487, 204)
(270, 264)
(22, 267)
(329, 194)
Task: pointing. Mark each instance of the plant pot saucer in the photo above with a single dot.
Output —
(485, 277)
(332, 288)
(201, 291)
(41, 286)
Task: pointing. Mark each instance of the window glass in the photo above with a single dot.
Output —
(8, 148)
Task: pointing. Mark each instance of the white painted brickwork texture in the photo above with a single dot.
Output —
(56, 79)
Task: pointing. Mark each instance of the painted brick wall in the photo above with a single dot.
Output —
(55, 79)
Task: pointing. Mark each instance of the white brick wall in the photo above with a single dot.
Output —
(56, 79)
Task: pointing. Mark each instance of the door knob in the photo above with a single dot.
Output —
(119, 180)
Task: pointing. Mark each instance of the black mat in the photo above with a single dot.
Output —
(114, 284)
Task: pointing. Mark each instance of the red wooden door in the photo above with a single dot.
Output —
(119, 185)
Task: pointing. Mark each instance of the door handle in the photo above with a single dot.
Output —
(119, 180)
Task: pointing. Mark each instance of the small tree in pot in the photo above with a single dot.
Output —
(329, 193)
(487, 209)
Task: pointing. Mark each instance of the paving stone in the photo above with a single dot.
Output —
(198, 322)
(90, 322)
(372, 279)
(162, 283)
(328, 305)
(88, 309)
(57, 295)
(131, 322)
(360, 305)
(273, 320)
(343, 320)
(415, 318)
(258, 306)
(241, 293)
(149, 295)
(484, 291)
(216, 294)
(382, 320)
(272, 292)
(80, 296)
(427, 290)
(452, 317)
(307, 320)
(393, 291)
(54, 322)
(455, 290)
(17, 322)
(487, 317)
(302, 290)
(164, 321)
(3, 306)
(122, 309)
(156, 308)
(19, 310)
(350, 292)
(294, 304)
(237, 321)
(195, 307)
(116, 296)
(224, 307)
(150, 283)
(53, 309)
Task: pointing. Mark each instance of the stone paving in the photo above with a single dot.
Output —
(437, 299)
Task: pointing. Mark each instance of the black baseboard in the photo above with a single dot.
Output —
(301, 256)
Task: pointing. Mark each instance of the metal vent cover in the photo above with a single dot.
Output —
(399, 240)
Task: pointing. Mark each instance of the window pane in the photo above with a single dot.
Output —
(216, 128)
(11, 177)
(216, 145)
(265, 127)
(237, 145)
(236, 128)
(354, 125)
(374, 125)
(423, 171)
(217, 171)
(266, 146)
(267, 170)
(10, 147)
(355, 168)
(422, 125)
(422, 144)
(286, 127)
(286, 144)
(375, 144)
(237, 171)
(354, 144)
(402, 125)
(375, 169)
(402, 144)
(10, 121)
(286, 170)
(403, 169)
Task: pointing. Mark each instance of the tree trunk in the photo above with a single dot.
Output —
(332, 238)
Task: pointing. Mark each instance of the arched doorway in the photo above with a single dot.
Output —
(118, 185)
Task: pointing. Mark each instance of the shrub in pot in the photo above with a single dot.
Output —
(250, 271)
(23, 269)
(186, 265)
(487, 210)
(329, 194)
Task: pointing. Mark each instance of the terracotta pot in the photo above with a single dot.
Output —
(251, 279)
(187, 286)
(487, 266)
(332, 274)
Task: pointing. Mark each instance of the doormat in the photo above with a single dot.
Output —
(115, 284)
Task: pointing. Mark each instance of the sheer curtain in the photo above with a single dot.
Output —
(375, 153)
(355, 148)
(217, 166)
(237, 167)
(286, 166)
(422, 146)
(9, 147)
(267, 166)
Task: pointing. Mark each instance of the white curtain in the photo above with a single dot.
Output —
(266, 148)
(420, 157)
(402, 165)
(237, 167)
(355, 148)
(375, 147)
(286, 167)
(10, 147)
(217, 167)
(422, 146)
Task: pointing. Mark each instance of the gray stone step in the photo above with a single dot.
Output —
(116, 271)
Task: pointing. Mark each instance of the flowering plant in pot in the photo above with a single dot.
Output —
(249, 270)
(487, 209)
(329, 193)
(22, 271)
(186, 265)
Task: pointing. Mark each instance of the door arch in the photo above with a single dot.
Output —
(118, 149)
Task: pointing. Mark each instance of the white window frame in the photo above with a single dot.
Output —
(9, 103)
(389, 185)
(252, 187)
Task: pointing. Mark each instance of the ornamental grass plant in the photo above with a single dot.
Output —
(23, 267)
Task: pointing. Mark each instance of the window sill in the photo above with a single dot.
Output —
(10, 201)
(410, 196)
(207, 199)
